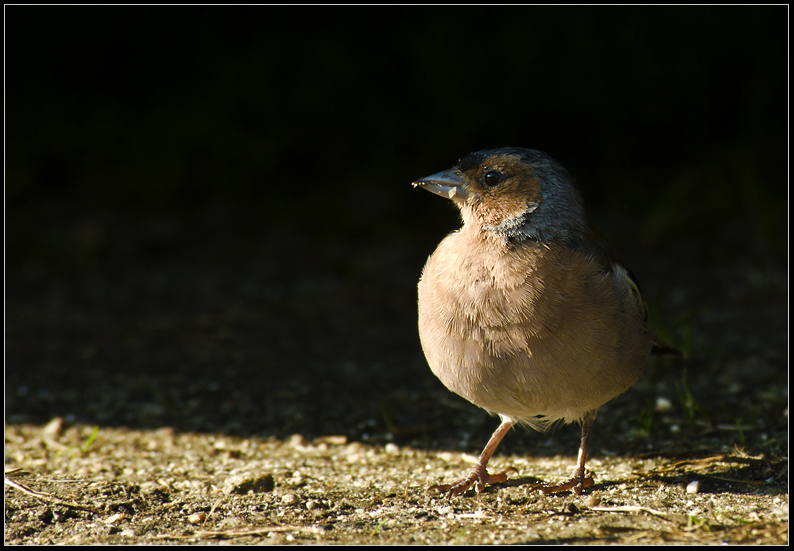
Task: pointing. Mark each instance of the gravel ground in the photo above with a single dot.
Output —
(202, 377)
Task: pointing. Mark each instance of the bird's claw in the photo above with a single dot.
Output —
(478, 475)
(579, 482)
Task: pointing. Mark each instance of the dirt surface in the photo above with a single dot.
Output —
(205, 377)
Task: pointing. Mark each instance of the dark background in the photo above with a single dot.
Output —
(210, 223)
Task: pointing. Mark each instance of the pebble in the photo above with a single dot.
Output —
(693, 487)
(197, 518)
(392, 449)
(248, 482)
(289, 499)
(663, 404)
(115, 518)
(53, 429)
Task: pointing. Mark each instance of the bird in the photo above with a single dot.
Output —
(526, 311)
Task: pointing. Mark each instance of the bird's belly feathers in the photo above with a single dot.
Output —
(519, 346)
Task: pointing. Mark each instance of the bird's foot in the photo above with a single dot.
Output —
(581, 480)
(479, 475)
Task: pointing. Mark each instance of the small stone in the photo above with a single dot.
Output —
(663, 404)
(392, 449)
(289, 499)
(114, 518)
(354, 457)
(53, 429)
(693, 487)
(355, 448)
(249, 482)
(592, 501)
(197, 518)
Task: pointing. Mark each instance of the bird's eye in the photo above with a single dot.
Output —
(492, 178)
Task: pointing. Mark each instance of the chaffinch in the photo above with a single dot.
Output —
(525, 311)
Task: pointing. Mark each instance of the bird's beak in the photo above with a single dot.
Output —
(449, 184)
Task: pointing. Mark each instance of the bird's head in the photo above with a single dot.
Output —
(512, 193)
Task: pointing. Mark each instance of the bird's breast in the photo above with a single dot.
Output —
(528, 330)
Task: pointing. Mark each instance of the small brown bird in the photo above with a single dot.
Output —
(525, 311)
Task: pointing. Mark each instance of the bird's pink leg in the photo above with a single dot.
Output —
(582, 478)
(478, 473)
